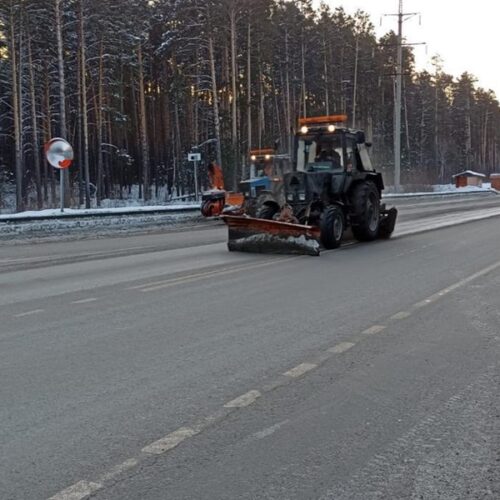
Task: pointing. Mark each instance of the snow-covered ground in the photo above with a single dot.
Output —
(440, 189)
(451, 188)
(50, 229)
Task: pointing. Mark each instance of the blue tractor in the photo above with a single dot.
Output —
(266, 179)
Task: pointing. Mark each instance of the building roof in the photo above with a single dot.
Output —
(469, 173)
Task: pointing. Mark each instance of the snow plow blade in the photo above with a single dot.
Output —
(247, 234)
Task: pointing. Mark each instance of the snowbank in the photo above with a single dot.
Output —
(441, 189)
(72, 212)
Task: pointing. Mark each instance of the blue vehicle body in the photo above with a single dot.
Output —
(251, 188)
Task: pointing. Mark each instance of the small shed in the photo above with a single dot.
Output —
(469, 178)
(495, 181)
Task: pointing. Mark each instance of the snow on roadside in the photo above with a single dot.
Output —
(444, 189)
(55, 229)
(71, 212)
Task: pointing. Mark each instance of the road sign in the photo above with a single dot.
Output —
(59, 153)
(194, 156)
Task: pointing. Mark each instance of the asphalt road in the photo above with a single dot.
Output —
(162, 366)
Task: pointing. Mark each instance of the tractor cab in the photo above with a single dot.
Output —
(329, 158)
(263, 169)
(323, 144)
(262, 162)
(267, 168)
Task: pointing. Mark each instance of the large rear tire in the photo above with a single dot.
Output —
(366, 217)
(267, 212)
(332, 227)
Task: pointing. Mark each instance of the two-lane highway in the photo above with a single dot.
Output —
(163, 366)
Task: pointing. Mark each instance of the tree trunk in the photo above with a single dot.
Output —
(468, 132)
(85, 119)
(143, 127)
(215, 99)
(249, 87)
(288, 117)
(303, 76)
(234, 102)
(48, 170)
(325, 76)
(17, 115)
(34, 125)
(100, 121)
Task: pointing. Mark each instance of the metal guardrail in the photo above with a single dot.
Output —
(99, 213)
(438, 194)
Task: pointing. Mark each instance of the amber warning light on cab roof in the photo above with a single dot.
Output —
(266, 153)
(327, 122)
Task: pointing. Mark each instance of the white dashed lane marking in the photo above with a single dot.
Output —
(78, 491)
(119, 469)
(342, 347)
(29, 313)
(170, 441)
(401, 315)
(244, 400)
(299, 370)
(269, 431)
(374, 329)
(85, 301)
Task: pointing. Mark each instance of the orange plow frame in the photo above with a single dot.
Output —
(247, 234)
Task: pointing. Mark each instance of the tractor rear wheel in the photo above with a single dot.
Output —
(267, 212)
(332, 227)
(366, 217)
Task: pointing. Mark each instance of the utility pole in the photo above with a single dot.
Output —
(398, 91)
(397, 107)
(354, 92)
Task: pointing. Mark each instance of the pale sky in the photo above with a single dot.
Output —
(465, 33)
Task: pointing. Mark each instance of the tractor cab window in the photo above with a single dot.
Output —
(263, 168)
(321, 154)
(351, 155)
(357, 157)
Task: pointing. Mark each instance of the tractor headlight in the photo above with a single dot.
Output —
(304, 129)
(289, 197)
(331, 128)
(253, 157)
(302, 196)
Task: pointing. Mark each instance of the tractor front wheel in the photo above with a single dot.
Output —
(267, 212)
(332, 227)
